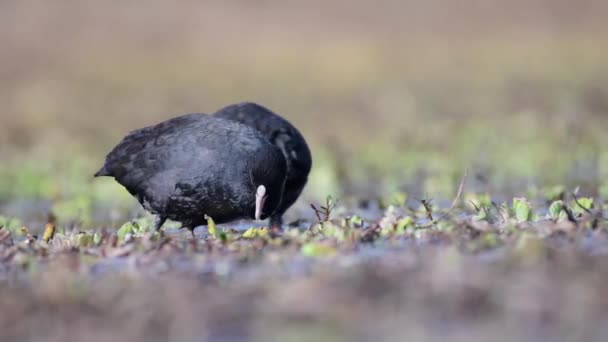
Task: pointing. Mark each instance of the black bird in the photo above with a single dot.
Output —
(197, 165)
(286, 137)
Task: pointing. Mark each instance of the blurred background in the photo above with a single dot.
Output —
(392, 95)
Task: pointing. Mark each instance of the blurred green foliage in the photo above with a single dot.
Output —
(397, 114)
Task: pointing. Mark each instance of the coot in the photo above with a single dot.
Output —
(287, 138)
(196, 165)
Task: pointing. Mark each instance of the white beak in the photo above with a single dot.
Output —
(260, 197)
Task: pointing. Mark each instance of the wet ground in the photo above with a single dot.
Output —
(388, 274)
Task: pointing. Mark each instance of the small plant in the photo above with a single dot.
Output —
(522, 209)
(403, 224)
(483, 205)
(483, 214)
(353, 221)
(582, 205)
(478, 200)
(49, 232)
(556, 211)
(126, 231)
(324, 212)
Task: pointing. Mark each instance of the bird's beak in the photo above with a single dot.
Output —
(260, 197)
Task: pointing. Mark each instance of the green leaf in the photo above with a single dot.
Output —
(49, 232)
(556, 209)
(85, 240)
(124, 230)
(356, 220)
(522, 209)
(96, 238)
(254, 232)
(403, 224)
(223, 236)
(584, 202)
(142, 225)
(211, 228)
(482, 214)
(478, 200)
(316, 249)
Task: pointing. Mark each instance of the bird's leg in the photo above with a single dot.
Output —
(192, 232)
(276, 223)
(158, 222)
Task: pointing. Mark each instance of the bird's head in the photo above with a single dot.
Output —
(268, 183)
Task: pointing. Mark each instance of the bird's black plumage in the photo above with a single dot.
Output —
(286, 137)
(196, 165)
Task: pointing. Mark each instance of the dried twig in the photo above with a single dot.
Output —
(317, 212)
(454, 202)
(570, 214)
(580, 205)
(428, 207)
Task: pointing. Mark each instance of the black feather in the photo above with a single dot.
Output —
(286, 137)
(196, 165)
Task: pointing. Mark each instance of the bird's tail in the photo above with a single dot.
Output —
(102, 172)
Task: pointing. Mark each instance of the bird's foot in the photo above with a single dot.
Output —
(275, 229)
(276, 224)
(158, 222)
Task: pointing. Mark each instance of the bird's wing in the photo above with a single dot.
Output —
(147, 152)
